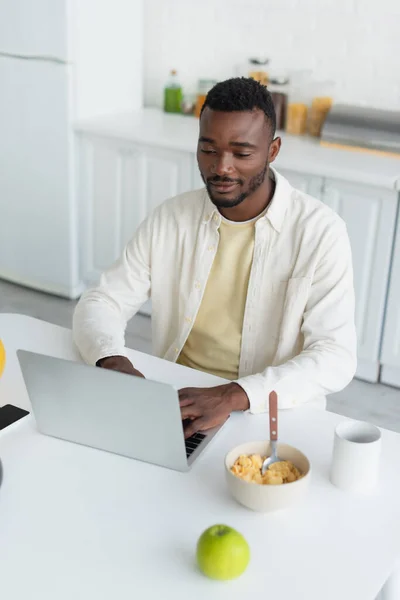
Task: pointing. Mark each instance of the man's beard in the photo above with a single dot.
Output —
(254, 184)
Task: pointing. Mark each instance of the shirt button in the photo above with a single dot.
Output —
(211, 248)
(197, 285)
(188, 319)
(215, 218)
(176, 350)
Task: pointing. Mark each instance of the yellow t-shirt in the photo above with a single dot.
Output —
(214, 343)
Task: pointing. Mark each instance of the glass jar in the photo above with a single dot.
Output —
(256, 69)
(278, 88)
(204, 86)
(188, 104)
(297, 111)
(322, 100)
(298, 102)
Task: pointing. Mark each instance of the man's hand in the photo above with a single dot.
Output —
(209, 407)
(119, 363)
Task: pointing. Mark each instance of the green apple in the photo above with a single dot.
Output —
(222, 552)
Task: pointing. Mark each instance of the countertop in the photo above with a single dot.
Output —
(152, 127)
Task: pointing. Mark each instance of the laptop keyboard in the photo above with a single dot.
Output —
(193, 442)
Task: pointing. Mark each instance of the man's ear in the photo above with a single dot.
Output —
(274, 148)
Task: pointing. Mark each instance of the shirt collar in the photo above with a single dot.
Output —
(209, 209)
(280, 201)
(276, 211)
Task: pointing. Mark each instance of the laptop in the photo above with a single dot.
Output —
(111, 411)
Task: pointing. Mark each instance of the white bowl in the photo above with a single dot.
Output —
(267, 498)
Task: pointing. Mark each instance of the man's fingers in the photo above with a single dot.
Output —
(202, 423)
(185, 401)
(184, 392)
(138, 374)
(185, 397)
(194, 427)
(190, 412)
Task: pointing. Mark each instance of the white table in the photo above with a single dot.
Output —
(80, 523)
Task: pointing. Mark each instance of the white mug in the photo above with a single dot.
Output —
(356, 451)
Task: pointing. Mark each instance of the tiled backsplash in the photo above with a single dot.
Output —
(354, 42)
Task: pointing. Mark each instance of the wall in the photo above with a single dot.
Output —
(354, 42)
(107, 72)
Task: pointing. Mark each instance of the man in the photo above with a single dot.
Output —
(249, 278)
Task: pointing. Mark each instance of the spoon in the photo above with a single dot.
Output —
(273, 432)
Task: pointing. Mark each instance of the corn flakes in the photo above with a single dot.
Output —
(248, 468)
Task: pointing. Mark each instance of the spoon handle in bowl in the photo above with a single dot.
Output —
(273, 416)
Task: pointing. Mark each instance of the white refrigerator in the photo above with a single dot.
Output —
(60, 61)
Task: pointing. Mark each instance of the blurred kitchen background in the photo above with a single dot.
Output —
(99, 102)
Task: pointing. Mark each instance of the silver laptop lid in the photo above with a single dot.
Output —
(104, 409)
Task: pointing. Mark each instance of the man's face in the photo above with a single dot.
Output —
(233, 153)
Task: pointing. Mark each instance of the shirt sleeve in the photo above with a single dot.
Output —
(328, 360)
(102, 313)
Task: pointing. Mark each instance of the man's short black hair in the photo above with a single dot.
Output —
(240, 94)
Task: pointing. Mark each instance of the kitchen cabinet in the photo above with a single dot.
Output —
(120, 184)
(308, 184)
(370, 215)
(167, 173)
(390, 358)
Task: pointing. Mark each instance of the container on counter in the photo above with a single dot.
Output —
(298, 102)
(188, 104)
(279, 87)
(322, 100)
(204, 86)
(257, 70)
(173, 94)
(297, 112)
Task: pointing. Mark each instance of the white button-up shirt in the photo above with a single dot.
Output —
(298, 333)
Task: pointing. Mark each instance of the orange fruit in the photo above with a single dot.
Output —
(2, 358)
